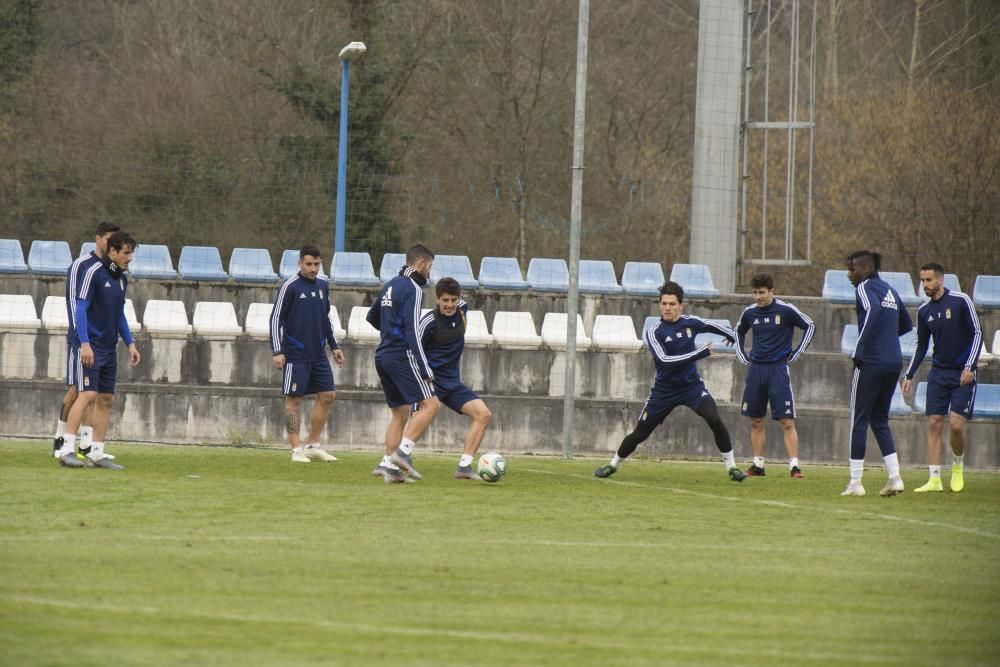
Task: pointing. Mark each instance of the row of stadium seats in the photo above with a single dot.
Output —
(837, 288)
(356, 269)
(908, 343)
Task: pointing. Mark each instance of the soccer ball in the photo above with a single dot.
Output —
(492, 467)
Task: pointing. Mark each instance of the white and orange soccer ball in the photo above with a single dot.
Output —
(492, 467)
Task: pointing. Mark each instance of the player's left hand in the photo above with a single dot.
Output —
(968, 377)
(338, 356)
(133, 356)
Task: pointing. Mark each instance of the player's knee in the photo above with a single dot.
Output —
(756, 423)
(432, 405)
(787, 424)
(326, 397)
(105, 400)
(956, 425)
(484, 416)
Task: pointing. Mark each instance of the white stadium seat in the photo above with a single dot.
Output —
(338, 329)
(556, 336)
(476, 332)
(17, 313)
(615, 332)
(54, 317)
(515, 331)
(166, 318)
(358, 328)
(216, 320)
(133, 321)
(258, 320)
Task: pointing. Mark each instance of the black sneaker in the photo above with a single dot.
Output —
(57, 444)
(796, 473)
(737, 475)
(754, 471)
(605, 471)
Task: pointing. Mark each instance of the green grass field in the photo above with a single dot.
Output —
(216, 556)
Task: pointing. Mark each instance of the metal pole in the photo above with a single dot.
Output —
(576, 212)
(338, 245)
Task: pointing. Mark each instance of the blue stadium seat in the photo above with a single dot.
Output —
(642, 278)
(87, 247)
(290, 265)
(598, 277)
(987, 402)
(647, 324)
(720, 344)
(201, 263)
(501, 273)
(903, 284)
(548, 275)
(908, 344)
(849, 339)
(696, 280)
(898, 407)
(252, 265)
(12, 257)
(920, 399)
(49, 257)
(353, 268)
(986, 292)
(152, 261)
(837, 288)
(453, 266)
(392, 262)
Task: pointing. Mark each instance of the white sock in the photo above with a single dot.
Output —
(60, 428)
(758, 461)
(857, 468)
(793, 462)
(891, 465)
(296, 450)
(386, 461)
(96, 450)
(958, 461)
(465, 460)
(313, 445)
(729, 459)
(86, 436)
(69, 444)
(406, 445)
(935, 472)
(617, 461)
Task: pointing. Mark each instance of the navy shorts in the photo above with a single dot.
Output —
(663, 400)
(455, 396)
(768, 383)
(100, 377)
(945, 393)
(72, 353)
(307, 377)
(401, 381)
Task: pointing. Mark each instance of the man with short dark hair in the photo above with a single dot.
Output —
(671, 342)
(442, 331)
(300, 332)
(73, 275)
(950, 319)
(402, 365)
(99, 318)
(773, 323)
(878, 360)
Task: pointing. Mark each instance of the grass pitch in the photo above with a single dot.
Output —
(214, 556)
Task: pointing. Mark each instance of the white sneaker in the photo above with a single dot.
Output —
(854, 488)
(298, 456)
(892, 487)
(318, 454)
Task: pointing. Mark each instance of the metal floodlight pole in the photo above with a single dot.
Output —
(347, 54)
(576, 212)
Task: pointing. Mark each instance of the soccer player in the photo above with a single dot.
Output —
(773, 323)
(300, 330)
(671, 342)
(99, 320)
(402, 365)
(73, 274)
(950, 318)
(442, 331)
(878, 361)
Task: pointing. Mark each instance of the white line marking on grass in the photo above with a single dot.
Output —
(194, 538)
(772, 503)
(417, 631)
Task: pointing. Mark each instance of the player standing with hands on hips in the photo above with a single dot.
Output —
(950, 319)
(878, 361)
(300, 331)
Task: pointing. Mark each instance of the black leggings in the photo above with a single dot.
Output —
(707, 410)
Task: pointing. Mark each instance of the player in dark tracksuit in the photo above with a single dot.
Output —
(401, 363)
(300, 333)
(773, 323)
(878, 361)
(99, 320)
(442, 331)
(671, 342)
(950, 318)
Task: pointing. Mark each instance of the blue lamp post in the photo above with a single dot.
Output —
(347, 54)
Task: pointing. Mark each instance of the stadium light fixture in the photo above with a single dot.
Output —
(352, 51)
